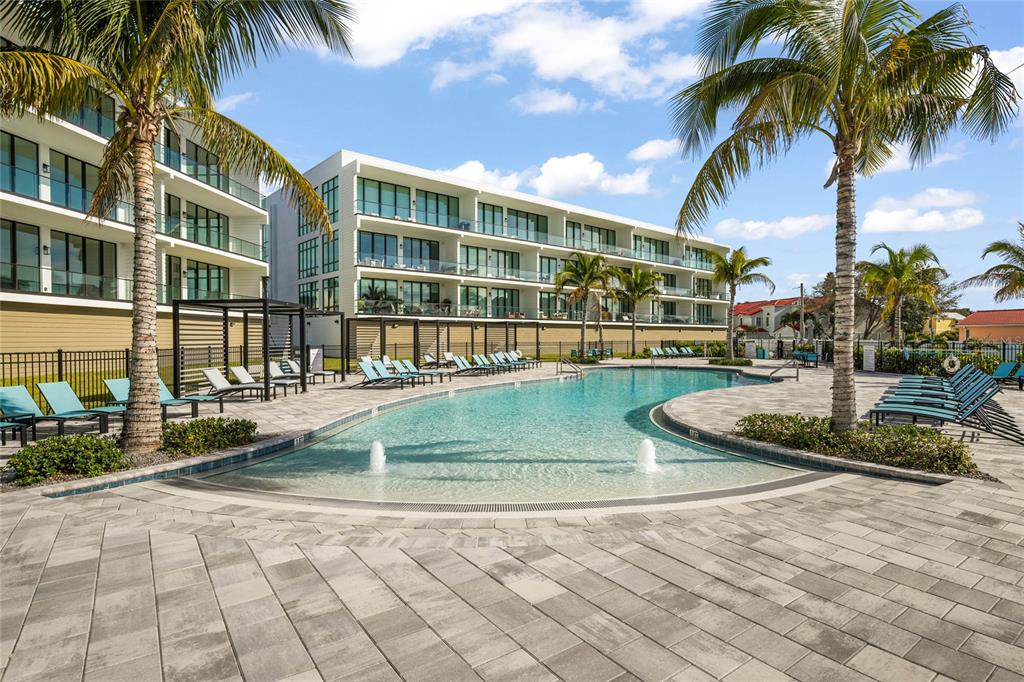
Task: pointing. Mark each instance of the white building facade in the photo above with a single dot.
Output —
(65, 278)
(413, 243)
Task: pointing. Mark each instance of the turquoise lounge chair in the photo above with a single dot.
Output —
(372, 378)
(382, 370)
(65, 405)
(409, 368)
(1004, 372)
(119, 389)
(465, 368)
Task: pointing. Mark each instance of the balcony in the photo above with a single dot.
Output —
(449, 268)
(27, 183)
(35, 279)
(206, 174)
(183, 228)
(495, 230)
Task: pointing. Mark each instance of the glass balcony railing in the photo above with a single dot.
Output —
(451, 268)
(36, 279)
(535, 237)
(183, 228)
(91, 120)
(27, 183)
(207, 174)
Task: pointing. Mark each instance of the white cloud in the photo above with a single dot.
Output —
(795, 279)
(654, 150)
(1009, 62)
(935, 209)
(546, 101)
(784, 228)
(495, 79)
(232, 102)
(568, 175)
(900, 160)
(385, 30)
(447, 72)
(475, 171)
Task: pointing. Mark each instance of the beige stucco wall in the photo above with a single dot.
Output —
(1008, 333)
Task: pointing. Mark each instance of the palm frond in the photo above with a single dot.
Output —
(114, 181)
(239, 147)
(32, 79)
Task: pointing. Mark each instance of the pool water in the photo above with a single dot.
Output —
(541, 442)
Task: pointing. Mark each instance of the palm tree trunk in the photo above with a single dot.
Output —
(583, 334)
(600, 323)
(142, 430)
(632, 332)
(844, 396)
(898, 321)
(730, 353)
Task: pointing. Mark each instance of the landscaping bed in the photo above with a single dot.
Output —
(903, 446)
(66, 458)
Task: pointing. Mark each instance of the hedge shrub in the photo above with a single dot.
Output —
(737, 362)
(199, 436)
(75, 455)
(905, 446)
(929, 363)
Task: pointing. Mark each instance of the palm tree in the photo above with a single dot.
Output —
(584, 275)
(736, 270)
(1008, 275)
(868, 75)
(636, 285)
(164, 61)
(903, 275)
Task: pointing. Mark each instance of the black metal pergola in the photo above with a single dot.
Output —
(264, 307)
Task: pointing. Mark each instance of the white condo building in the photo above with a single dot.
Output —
(418, 244)
(65, 278)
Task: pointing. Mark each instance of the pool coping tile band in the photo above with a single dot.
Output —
(739, 446)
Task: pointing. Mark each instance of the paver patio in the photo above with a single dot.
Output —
(857, 578)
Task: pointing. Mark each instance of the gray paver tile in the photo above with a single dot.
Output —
(647, 660)
(514, 666)
(583, 662)
(710, 654)
(952, 663)
(885, 666)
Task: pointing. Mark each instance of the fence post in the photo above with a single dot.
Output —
(128, 362)
(1002, 355)
(60, 365)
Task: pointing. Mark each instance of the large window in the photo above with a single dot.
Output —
(437, 209)
(83, 266)
(378, 295)
(381, 249)
(330, 252)
(649, 248)
(171, 289)
(19, 256)
(329, 192)
(698, 258)
(588, 237)
(172, 149)
(504, 302)
(382, 198)
(19, 161)
(489, 219)
(207, 281)
(205, 166)
(553, 305)
(205, 226)
(668, 309)
(504, 263)
(307, 258)
(702, 287)
(421, 253)
(523, 225)
(96, 113)
(72, 181)
(330, 294)
(668, 280)
(548, 268)
(472, 301)
(308, 294)
(702, 313)
(421, 297)
(473, 260)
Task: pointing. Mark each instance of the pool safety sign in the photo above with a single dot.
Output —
(869, 358)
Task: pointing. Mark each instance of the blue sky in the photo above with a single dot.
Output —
(569, 100)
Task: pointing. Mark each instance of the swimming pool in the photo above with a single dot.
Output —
(540, 442)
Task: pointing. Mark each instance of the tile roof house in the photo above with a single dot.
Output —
(994, 325)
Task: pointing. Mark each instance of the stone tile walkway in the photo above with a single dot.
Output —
(864, 579)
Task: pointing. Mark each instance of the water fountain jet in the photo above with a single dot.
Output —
(646, 462)
(377, 457)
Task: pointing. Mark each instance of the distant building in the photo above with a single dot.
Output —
(760, 319)
(993, 325)
(943, 322)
